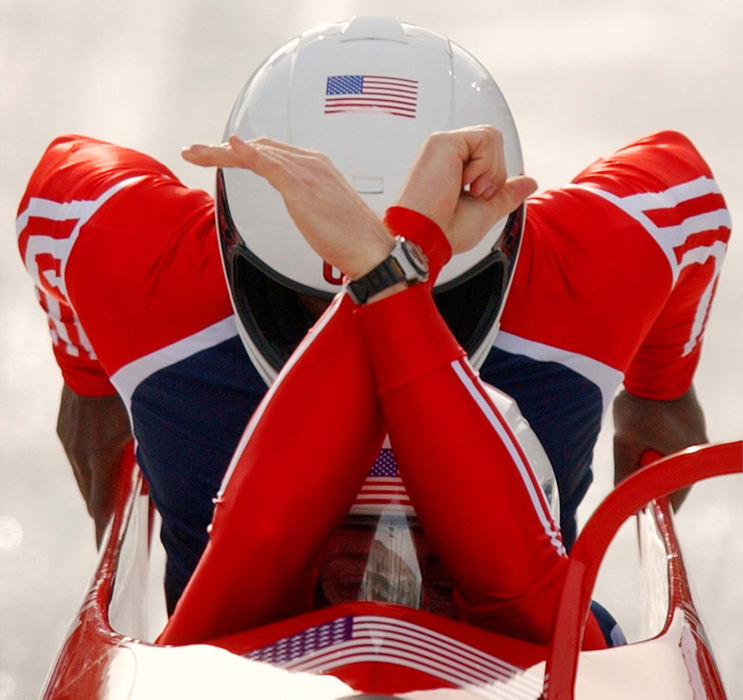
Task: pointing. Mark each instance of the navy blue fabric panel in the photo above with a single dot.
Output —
(188, 419)
(564, 409)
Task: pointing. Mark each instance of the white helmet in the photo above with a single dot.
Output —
(367, 93)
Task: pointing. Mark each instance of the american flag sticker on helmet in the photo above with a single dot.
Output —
(371, 93)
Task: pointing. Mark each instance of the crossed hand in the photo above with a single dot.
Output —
(326, 209)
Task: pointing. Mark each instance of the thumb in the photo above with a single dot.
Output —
(509, 196)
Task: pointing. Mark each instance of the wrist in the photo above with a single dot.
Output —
(372, 244)
(405, 265)
(370, 258)
(394, 289)
(424, 232)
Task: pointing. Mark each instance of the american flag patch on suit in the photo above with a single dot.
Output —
(383, 488)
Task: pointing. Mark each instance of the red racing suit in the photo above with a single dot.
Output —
(615, 279)
(391, 366)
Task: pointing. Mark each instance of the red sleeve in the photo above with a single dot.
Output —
(122, 254)
(664, 184)
(73, 352)
(283, 495)
(302, 459)
(470, 481)
(620, 265)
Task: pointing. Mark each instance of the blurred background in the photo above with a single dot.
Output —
(583, 78)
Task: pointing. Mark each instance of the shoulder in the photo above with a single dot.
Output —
(94, 205)
(77, 151)
(75, 167)
(609, 248)
(658, 185)
(651, 164)
(82, 182)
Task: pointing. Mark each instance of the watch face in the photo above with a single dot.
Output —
(416, 257)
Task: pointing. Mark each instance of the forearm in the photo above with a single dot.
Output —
(296, 472)
(94, 430)
(478, 502)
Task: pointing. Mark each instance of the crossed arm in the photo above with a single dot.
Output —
(93, 430)
(391, 364)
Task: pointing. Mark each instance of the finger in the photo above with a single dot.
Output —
(261, 154)
(291, 157)
(486, 168)
(513, 192)
(484, 144)
(487, 184)
(626, 460)
(263, 159)
(277, 145)
(476, 169)
(236, 153)
(209, 155)
(281, 167)
(230, 154)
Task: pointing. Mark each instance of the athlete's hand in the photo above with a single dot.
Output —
(333, 218)
(663, 426)
(94, 432)
(449, 161)
(326, 208)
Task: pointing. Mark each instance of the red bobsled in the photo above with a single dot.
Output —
(375, 649)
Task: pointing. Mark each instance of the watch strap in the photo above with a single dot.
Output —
(405, 263)
(384, 275)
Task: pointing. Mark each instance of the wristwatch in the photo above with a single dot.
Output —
(405, 263)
